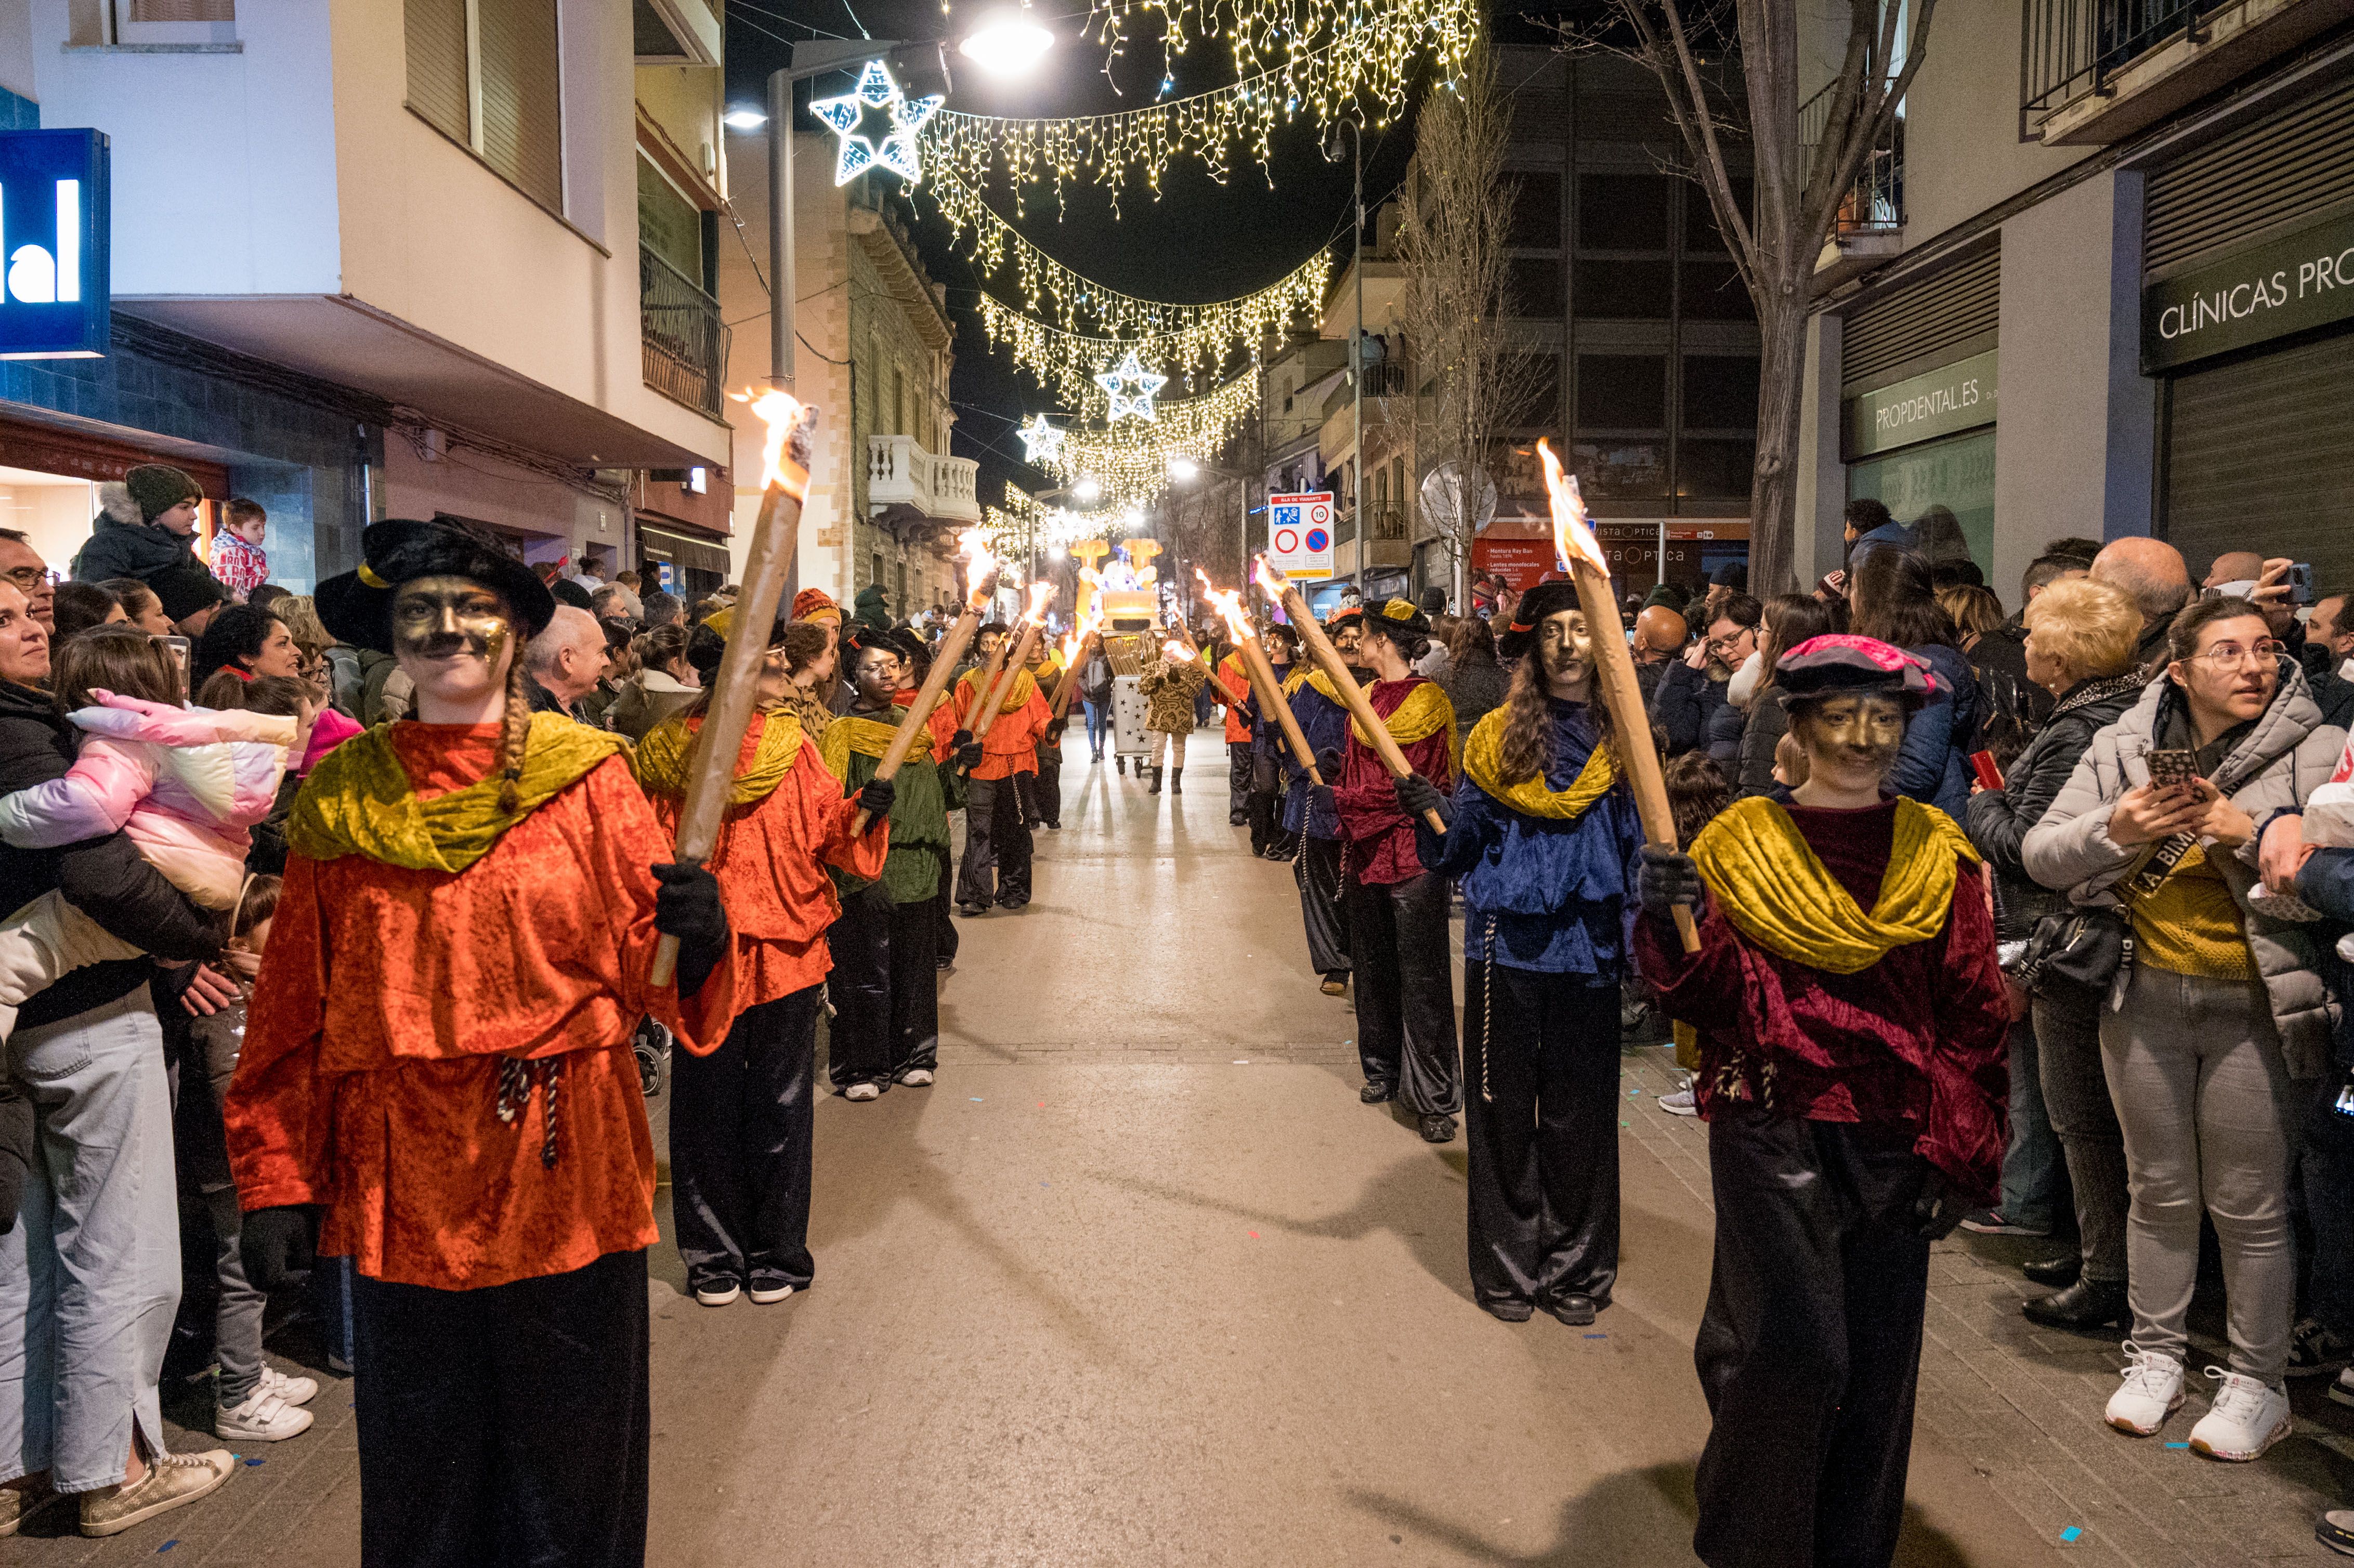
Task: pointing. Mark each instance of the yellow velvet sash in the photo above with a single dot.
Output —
(1483, 763)
(359, 800)
(1025, 685)
(1424, 713)
(1778, 893)
(866, 737)
(666, 755)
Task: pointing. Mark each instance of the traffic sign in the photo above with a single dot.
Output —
(1299, 534)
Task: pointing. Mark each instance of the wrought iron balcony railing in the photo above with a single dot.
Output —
(685, 342)
(1875, 204)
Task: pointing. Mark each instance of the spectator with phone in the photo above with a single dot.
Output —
(2220, 1023)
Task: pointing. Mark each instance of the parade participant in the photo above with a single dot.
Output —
(948, 740)
(1046, 798)
(741, 1121)
(1169, 685)
(1234, 693)
(1546, 842)
(438, 1056)
(996, 868)
(1851, 1020)
(1267, 748)
(1323, 720)
(886, 989)
(1397, 910)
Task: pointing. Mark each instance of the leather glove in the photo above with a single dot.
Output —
(1320, 798)
(276, 1245)
(875, 798)
(967, 752)
(959, 740)
(1667, 879)
(1936, 1212)
(1416, 795)
(1328, 763)
(687, 906)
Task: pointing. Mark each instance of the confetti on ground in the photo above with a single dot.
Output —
(976, 1099)
(1042, 1184)
(1242, 1061)
(1627, 1124)
(1254, 1235)
(2177, 1445)
(250, 1462)
(167, 1546)
(1597, 1335)
(2071, 1534)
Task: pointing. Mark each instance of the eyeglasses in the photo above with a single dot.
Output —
(2231, 656)
(1727, 644)
(27, 577)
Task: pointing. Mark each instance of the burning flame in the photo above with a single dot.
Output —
(1176, 653)
(1270, 581)
(1039, 593)
(980, 568)
(1228, 602)
(1572, 541)
(781, 413)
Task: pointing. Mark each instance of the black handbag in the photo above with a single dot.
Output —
(2079, 955)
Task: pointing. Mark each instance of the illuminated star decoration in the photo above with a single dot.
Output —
(1139, 402)
(876, 91)
(1040, 440)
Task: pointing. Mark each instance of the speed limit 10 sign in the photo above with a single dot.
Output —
(1299, 534)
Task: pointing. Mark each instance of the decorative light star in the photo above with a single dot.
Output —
(1124, 403)
(876, 89)
(1040, 440)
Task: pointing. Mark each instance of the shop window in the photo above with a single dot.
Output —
(1956, 473)
(1720, 392)
(1536, 211)
(1625, 290)
(1700, 233)
(485, 75)
(1714, 292)
(1623, 212)
(1714, 469)
(1621, 470)
(1622, 392)
(1533, 288)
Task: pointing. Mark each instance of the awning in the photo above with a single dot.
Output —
(683, 550)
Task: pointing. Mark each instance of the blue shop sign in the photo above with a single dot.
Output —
(54, 228)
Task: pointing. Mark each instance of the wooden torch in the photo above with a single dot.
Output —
(981, 581)
(1033, 619)
(785, 475)
(1344, 681)
(1228, 602)
(1614, 664)
(1085, 635)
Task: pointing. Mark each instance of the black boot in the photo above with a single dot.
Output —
(1176, 781)
(2054, 1273)
(2089, 1304)
(1156, 783)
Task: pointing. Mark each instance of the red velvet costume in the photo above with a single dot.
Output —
(1379, 837)
(1011, 745)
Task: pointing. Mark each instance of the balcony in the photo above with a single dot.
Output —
(2095, 72)
(1870, 225)
(907, 484)
(1385, 520)
(684, 341)
(1385, 378)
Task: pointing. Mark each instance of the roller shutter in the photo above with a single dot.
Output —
(2259, 456)
(2292, 166)
(1921, 324)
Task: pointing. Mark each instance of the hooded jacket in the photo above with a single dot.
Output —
(123, 544)
(2278, 760)
(1932, 767)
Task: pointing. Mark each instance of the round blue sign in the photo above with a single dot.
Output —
(1319, 540)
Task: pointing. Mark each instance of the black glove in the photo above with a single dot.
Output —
(1416, 795)
(687, 905)
(276, 1245)
(1668, 879)
(876, 798)
(968, 751)
(1936, 1212)
(1320, 799)
(1328, 763)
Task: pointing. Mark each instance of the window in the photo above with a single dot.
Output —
(1623, 212)
(1532, 287)
(484, 73)
(1536, 211)
(1720, 392)
(1536, 379)
(175, 21)
(1624, 392)
(668, 224)
(1700, 232)
(1716, 470)
(1625, 290)
(1714, 291)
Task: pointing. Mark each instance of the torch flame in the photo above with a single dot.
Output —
(1176, 653)
(780, 412)
(1228, 602)
(979, 566)
(1039, 593)
(1270, 581)
(1572, 541)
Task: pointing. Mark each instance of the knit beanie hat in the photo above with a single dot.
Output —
(816, 604)
(158, 487)
(185, 588)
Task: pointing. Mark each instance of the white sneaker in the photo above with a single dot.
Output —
(2342, 1389)
(293, 1390)
(916, 1077)
(1684, 1102)
(263, 1418)
(2247, 1418)
(764, 1296)
(722, 1297)
(2152, 1391)
(862, 1092)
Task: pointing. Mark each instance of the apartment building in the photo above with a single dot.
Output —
(2097, 285)
(384, 260)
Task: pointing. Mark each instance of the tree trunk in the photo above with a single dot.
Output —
(1773, 483)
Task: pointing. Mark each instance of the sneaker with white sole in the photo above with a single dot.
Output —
(2152, 1391)
(1684, 1102)
(862, 1092)
(718, 1295)
(768, 1294)
(2247, 1419)
(2341, 1387)
(292, 1388)
(916, 1077)
(171, 1481)
(262, 1417)
(19, 1504)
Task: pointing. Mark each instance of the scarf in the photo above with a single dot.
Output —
(1025, 687)
(866, 737)
(1770, 884)
(1483, 763)
(1424, 712)
(1313, 677)
(359, 800)
(665, 758)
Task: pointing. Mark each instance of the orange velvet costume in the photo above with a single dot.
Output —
(1234, 682)
(387, 998)
(1011, 743)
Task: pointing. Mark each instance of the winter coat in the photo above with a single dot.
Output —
(870, 610)
(2276, 762)
(1685, 709)
(1769, 722)
(1933, 765)
(121, 544)
(103, 877)
(1476, 684)
(386, 693)
(645, 700)
(2011, 708)
(1169, 690)
(1998, 820)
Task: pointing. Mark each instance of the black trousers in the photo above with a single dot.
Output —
(1239, 781)
(1541, 1115)
(885, 989)
(741, 1128)
(1405, 991)
(1810, 1348)
(1046, 785)
(1323, 910)
(943, 931)
(507, 1424)
(996, 867)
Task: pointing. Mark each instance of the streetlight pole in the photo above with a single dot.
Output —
(781, 291)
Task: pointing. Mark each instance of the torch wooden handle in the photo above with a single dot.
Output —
(1070, 680)
(1270, 697)
(986, 720)
(918, 714)
(1345, 682)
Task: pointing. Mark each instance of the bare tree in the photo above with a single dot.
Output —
(1453, 226)
(1800, 189)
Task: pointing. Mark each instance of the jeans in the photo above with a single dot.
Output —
(2326, 1166)
(90, 1278)
(237, 1317)
(1405, 991)
(2076, 1102)
(1098, 727)
(2032, 1174)
(2209, 1112)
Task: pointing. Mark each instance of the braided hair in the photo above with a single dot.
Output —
(515, 733)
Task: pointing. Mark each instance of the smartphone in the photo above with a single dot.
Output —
(2172, 769)
(178, 648)
(2300, 582)
(1990, 773)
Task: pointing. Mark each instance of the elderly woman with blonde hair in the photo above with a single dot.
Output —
(2081, 636)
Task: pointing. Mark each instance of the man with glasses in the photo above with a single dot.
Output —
(1690, 707)
(21, 567)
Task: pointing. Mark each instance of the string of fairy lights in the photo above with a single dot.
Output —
(1130, 462)
(1066, 364)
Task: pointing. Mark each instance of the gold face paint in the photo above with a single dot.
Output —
(1565, 646)
(443, 617)
(1857, 734)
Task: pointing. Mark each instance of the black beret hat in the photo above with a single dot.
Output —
(1537, 606)
(1840, 664)
(357, 605)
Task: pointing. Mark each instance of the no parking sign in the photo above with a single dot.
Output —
(1299, 534)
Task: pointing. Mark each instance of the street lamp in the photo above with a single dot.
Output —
(1087, 489)
(1007, 43)
(1183, 467)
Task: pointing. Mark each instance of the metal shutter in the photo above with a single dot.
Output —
(437, 65)
(522, 118)
(2257, 459)
(2289, 167)
(1915, 322)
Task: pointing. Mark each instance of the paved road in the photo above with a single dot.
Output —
(1140, 1283)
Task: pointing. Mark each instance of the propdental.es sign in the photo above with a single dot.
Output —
(2304, 279)
(54, 212)
(1956, 397)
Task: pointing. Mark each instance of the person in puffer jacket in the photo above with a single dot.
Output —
(184, 785)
